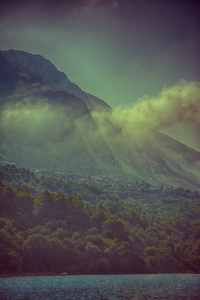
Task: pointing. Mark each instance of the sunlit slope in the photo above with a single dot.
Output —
(180, 155)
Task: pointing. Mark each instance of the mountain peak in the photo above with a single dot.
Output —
(41, 66)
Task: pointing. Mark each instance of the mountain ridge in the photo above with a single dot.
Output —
(41, 66)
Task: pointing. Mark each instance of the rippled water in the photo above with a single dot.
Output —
(104, 287)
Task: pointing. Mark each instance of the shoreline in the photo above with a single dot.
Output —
(78, 274)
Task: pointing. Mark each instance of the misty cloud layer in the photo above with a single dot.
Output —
(122, 143)
(51, 126)
(41, 125)
(179, 104)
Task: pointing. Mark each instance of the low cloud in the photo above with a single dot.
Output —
(53, 126)
(179, 104)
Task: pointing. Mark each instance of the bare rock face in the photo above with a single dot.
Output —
(42, 67)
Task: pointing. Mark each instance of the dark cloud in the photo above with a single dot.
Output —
(148, 20)
(51, 7)
(127, 9)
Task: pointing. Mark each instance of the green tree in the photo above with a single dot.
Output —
(113, 228)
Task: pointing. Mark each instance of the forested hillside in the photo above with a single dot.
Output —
(152, 202)
(55, 231)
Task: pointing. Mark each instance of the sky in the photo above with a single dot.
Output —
(117, 50)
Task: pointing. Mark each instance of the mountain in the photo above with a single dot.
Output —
(47, 122)
(42, 67)
(18, 82)
(44, 127)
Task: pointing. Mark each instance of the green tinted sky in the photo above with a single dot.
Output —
(116, 50)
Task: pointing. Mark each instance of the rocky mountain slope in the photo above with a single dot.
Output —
(45, 126)
(42, 67)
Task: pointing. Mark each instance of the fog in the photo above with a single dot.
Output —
(120, 142)
(174, 109)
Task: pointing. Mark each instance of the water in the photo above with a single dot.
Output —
(102, 287)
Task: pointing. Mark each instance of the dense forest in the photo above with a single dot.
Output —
(48, 225)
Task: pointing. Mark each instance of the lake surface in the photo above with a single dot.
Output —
(102, 287)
